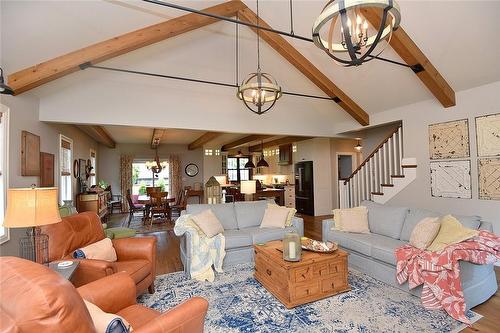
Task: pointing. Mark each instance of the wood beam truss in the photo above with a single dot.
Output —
(242, 141)
(278, 142)
(205, 138)
(99, 134)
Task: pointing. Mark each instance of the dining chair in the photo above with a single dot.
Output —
(152, 189)
(181, 202)
(115, 201)
(134, 207)
(159, 205)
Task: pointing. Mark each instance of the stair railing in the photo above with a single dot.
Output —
(375, 172)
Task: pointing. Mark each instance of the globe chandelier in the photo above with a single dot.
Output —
(342, 31)
(259, 91)
(156, 166)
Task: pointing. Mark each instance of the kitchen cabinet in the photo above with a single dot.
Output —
(285, 156)
(290, 196)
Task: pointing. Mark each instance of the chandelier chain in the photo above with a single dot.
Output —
(291, 18)
(258, 39)
(237, 51)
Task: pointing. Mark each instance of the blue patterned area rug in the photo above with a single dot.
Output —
(238, 303)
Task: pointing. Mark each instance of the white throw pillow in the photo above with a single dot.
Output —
(275, 217)
(291, 213)
(101, 250)
(208, 223)
(425, 232)
(106, 322)
(352, 219)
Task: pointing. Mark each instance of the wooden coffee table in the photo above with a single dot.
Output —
(316, 276)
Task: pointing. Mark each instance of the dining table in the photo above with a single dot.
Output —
(146, 201)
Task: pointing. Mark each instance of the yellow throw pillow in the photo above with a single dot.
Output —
(451, 232)
(291, 213)
(351, 219)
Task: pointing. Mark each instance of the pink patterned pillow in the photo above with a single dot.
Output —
(424, 232)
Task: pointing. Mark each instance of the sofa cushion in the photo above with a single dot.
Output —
(275, 217)
(260, 235)
(472, 222)
(224, 212)
(138, 269)
(237, 238)
(383, 248)
(356, 242)
(208, 223)
(414, 216)
(385, 220)
(249, 213)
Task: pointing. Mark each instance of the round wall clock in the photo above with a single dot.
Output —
(191, 170)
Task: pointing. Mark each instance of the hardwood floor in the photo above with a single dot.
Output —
(168, 261)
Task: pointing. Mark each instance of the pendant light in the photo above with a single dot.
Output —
(156, 166)
(4, 89)
(249, 164)
(348, 38)
(262, 163)
(358, 147)
(259, 91)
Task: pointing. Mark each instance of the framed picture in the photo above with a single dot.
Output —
(82, 169)
(488, 170)
(46, 170)
(451, 179)
(30, 154)
(449, 140)
(488, 135)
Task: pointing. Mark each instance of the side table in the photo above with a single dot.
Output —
(66, 272)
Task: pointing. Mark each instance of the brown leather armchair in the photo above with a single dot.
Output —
(136, 256)
(33, 298)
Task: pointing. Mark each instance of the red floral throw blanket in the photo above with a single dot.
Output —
(439, 272)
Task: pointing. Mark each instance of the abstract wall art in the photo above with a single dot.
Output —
(451, 179)
(449, 140)
(489, 178)
(488, 135)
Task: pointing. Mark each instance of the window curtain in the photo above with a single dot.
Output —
(175, 177)
(125, 178)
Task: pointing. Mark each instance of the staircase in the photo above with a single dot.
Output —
(382, 175)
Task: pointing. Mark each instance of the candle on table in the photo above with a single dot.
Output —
(291, 250)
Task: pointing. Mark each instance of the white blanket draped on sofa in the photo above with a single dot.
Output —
(206, 252)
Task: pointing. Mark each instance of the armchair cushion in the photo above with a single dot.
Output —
(137, 269)
(147, 315)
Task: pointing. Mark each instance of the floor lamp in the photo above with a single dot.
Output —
(31, 208)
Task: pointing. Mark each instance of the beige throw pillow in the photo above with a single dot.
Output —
(291, 213)
(101, 250)
(352, 220)
(105, 322)
(451, 232)
(208, 223)
(424, 232)
(275, 217)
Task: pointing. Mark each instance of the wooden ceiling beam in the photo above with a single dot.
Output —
(99, 134)
(300, 62)
(278, 142)
(242, 141)
(55, 68)
(157, 136)
(406, 48)
(205, 138)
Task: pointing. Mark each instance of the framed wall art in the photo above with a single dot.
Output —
(30, 154)
(489, 178)
(451, 179)
(449, 140)
(488, 135)
(46, 170)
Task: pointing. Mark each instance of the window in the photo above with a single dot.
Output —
(236, 171)
(65, 158)
(93, 162)
(142, 177)
(208, 152)
(4, 232)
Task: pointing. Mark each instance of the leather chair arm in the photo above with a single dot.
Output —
(185, 317)
(135, 248)
(90, 270)
(112, 293)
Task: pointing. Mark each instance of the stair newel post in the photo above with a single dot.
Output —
(400, 149)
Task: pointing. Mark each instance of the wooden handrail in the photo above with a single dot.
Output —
(373, 153)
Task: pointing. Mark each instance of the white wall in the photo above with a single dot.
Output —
(24, 116)
(416, 119)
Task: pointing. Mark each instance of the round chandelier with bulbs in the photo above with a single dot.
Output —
(344, 32)
(259, 91)
(156, 166)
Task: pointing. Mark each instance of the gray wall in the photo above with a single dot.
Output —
(416, 118)
(23, 115)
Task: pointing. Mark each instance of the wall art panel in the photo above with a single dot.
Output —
(488, 135)
(451, 179)
(449, 140)
(489, 178)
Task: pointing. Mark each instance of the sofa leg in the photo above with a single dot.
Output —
(151, 288)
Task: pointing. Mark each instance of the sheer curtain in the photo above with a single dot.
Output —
(125, 178)
(175, 176)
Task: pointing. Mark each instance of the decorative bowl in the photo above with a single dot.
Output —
(318, 246)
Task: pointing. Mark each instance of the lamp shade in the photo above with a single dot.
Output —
(31, 207)
(248, 187)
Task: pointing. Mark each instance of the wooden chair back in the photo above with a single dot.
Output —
(158, 199)
(151, 189)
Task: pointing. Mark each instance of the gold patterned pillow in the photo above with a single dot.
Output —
(424, 232)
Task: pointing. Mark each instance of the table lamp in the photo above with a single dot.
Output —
(31, 208)
(248, 187)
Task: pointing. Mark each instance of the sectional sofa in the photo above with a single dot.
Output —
(241, 221)
(390, 228)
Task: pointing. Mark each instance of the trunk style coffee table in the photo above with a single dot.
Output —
(315, 276)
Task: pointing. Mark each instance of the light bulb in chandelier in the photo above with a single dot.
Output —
(259, 92)
(344, 32)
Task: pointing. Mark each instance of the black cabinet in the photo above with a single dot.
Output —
(304, 188)
(285, 157)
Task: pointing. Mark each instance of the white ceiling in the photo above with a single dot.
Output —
(457, 36)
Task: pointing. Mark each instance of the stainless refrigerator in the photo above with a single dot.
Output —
(304, 188)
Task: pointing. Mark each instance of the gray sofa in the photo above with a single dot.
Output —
(390, 228)
(241, 221)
